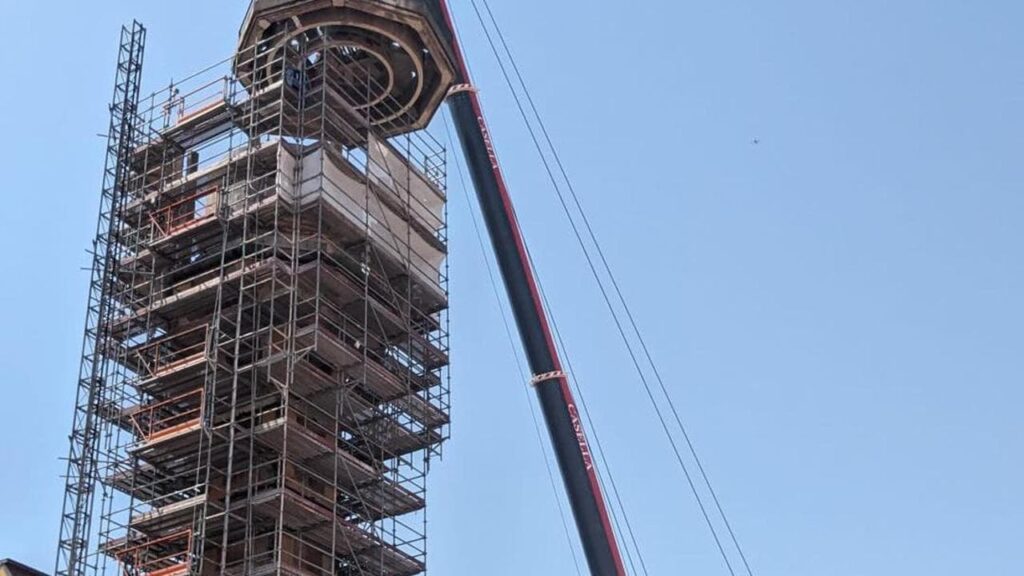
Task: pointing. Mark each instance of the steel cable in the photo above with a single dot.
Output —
(615, 285)
(591, 425)
(515, 351)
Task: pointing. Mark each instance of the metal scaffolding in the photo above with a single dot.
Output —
(264, 378)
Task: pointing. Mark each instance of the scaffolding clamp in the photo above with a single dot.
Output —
(540, 378)
(457, 88)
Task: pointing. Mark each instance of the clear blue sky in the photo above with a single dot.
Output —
(838, 309)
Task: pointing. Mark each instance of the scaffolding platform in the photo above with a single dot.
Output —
(269, 314)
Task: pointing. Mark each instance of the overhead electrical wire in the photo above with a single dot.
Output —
(615, 288)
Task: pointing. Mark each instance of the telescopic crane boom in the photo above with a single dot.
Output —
(561, 415)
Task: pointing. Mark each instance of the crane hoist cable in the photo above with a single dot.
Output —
(512, 346)
(558, 404)
(605, 470)
(615, 287)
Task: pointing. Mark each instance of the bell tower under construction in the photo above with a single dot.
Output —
(264, 372)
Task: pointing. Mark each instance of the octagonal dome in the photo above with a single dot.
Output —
(392, 54)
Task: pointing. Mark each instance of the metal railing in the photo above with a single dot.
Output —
(185, 213)
(155, 421)
(162, 556)
(159, 355)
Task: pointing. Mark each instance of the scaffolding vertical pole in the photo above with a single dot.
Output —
(561, 414)
(82, 465)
